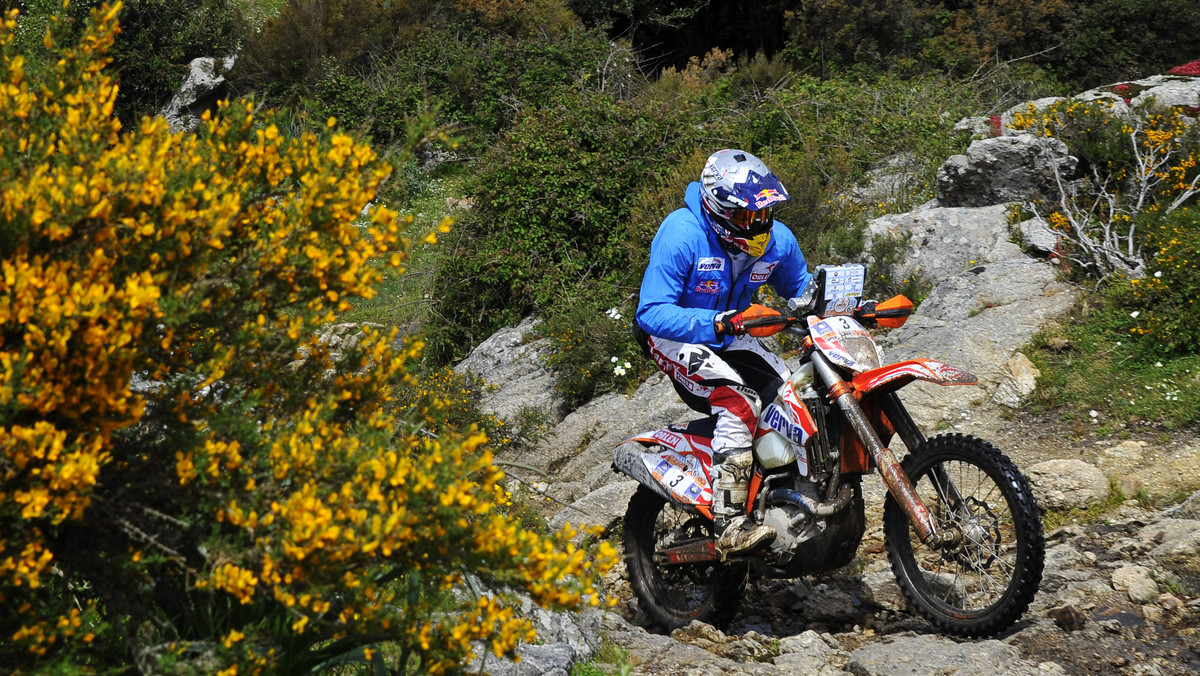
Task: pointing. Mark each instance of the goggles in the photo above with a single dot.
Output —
(752, 222)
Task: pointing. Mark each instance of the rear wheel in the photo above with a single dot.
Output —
(674, 595)
(986, 578)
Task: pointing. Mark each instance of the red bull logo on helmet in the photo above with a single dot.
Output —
(767, 197)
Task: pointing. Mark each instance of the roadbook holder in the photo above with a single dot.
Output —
(839, 288)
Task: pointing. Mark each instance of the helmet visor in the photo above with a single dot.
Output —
(752, 222)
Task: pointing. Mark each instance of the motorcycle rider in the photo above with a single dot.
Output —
(706, 263)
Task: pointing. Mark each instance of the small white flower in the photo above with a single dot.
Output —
(1158, 364)
(613, 313)
(628, 365)
(1118, 343)
(1094, 413)
(613, 360)
(1135, 313)
(1158, 274)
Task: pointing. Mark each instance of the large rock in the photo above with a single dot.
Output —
(809, 653)
(201, 89)
(1018, 381)
(1067, 484)
(1136, 581)
(1038, 236)
(578, 453)
(1160, 91)
(976, 320)
(1005, 169)
(602, 507)
(1166, 91)
(512, 363)
(942, 242)
(565, 639)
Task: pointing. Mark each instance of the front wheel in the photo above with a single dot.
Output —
(674, 595)
(986, 577)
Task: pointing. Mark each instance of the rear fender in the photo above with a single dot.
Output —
(895, 376)
(675, 465)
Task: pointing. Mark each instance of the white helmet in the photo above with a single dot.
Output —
(738, 193)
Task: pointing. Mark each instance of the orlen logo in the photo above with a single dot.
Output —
(711, 264)
(778, 421)
(668, 438)
(762, 271)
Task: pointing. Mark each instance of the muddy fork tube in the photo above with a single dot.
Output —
(894, 478)
(904, 425)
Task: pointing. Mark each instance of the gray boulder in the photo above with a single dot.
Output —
(942, 242)
(201, 89)
(1004, 169)
(939, 655)
(1038, 236)
(976, 320)
(1067, 483)
(513, 365)
(1166, 91)
(565, 639)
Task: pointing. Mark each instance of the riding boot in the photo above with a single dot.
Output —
(736, 532)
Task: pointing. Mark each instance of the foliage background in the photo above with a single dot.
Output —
(533, 147)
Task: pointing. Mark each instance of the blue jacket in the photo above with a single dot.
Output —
(689, 279)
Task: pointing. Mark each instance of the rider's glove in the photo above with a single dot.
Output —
(806, 301)
(729, 323)
(733, 322)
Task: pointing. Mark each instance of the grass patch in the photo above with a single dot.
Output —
(405, 297)
(609, 659)
(1093, 513)
(1091, 364)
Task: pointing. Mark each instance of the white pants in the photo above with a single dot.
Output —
(730, 383)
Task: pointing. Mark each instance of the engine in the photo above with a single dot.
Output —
(807, 543)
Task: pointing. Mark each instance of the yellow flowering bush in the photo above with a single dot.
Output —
(1142, 163)
(188, 472)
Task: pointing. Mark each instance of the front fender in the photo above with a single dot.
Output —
(895, 376)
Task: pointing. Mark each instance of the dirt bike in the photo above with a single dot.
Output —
(962, 529)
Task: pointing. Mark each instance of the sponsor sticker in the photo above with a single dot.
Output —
(710, 264)
(776, 419)
(709, 286)
(768, 197)
(668, 438)
(762, 271)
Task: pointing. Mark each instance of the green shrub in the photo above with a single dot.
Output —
(550, 223)
(594, 350)
(1115, 40)
(1132, 349)
(192, 478)
(1168, 320)
(476, 80)
(159, 38)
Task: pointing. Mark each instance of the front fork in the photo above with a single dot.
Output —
(897, 482)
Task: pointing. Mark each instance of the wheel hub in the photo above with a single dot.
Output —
(974, 535)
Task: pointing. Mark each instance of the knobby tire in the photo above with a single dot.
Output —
(984, 585)
(675, 596)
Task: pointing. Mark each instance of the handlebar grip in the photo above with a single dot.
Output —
(759, 322)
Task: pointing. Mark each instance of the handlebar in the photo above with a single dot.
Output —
(891, 313)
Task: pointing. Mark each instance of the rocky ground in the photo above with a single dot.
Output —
(1120, 595)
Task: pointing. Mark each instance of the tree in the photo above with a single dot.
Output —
(188, 472)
